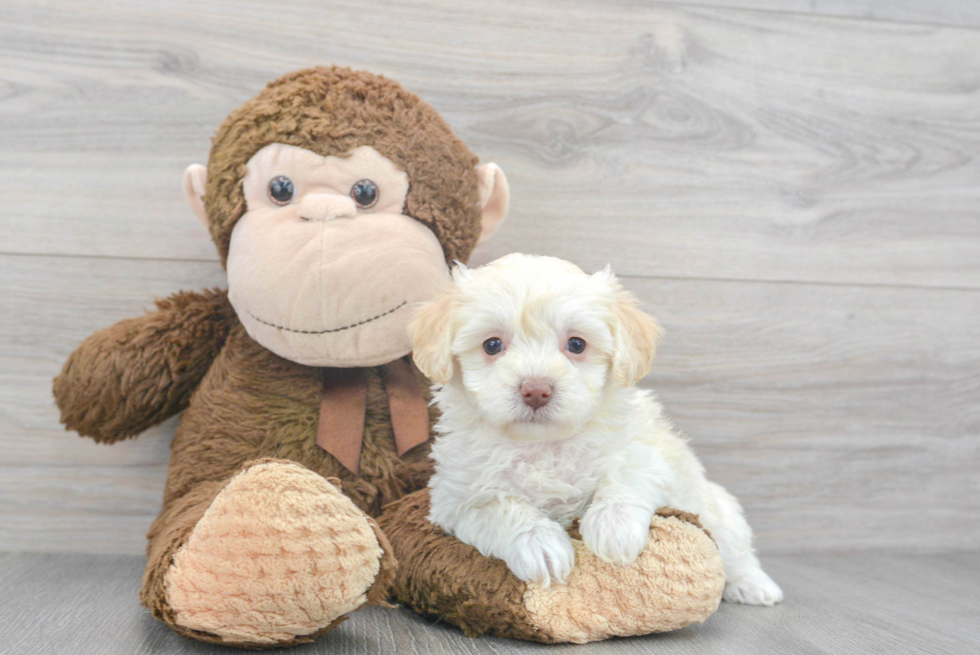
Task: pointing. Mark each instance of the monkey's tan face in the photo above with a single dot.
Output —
(324, 269)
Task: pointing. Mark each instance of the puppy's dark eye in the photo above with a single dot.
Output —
(281, 190)
(493, 346)
(365, 193)
(576, 345)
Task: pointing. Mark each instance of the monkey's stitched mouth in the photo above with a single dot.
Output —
(329, 330)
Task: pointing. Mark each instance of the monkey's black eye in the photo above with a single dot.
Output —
(365, 193)
(493, 346)
(281, 190)
(576, 345)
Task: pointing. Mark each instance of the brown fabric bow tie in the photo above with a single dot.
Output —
(343, 405)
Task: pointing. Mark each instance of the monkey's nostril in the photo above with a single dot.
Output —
(536, 393)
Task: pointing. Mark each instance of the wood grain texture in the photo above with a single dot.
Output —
(842, 416)
(794, 195)
(675, 141)
(955, 13)
(852, 603)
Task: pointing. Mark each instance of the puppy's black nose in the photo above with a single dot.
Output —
(536, 393)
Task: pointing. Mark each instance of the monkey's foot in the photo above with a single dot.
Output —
(280, 556)
(676, 581)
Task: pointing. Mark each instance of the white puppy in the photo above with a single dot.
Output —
(534, 363)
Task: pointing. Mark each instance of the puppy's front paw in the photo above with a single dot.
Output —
(543, 554)
(617, 533)
(755, 588)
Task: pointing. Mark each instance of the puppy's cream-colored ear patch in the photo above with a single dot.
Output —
(195, 183)
(432, 339)
(636, 336)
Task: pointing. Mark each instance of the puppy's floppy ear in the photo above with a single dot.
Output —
(635, 335)
(432, 338)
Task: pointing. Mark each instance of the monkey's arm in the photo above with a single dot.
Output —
(141, 371)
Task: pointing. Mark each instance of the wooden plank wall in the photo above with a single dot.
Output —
(791, 187)
(955, 13)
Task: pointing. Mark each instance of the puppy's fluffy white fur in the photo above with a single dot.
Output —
(510, 478)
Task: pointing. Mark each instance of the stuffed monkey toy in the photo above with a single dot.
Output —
(337, 201)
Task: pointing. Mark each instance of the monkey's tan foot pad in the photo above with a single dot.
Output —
(279, 556)
(677, 580)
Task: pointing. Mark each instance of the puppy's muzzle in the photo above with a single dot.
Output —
(536, 393)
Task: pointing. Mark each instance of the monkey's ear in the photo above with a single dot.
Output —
(494, 198)
(195, 182)
(432, 339)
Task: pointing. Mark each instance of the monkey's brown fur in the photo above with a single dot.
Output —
(331, 111)
(242, 403)
(141, 371)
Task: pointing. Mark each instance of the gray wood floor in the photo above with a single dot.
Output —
(836, 603)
